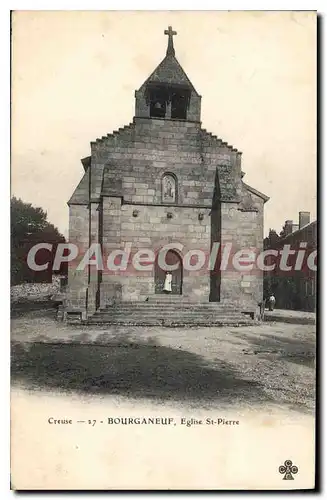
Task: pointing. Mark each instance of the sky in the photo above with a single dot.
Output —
(74, 74)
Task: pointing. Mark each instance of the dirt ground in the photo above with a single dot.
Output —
(260, 365)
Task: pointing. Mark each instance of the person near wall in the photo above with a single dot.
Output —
(167, 284)
(271, 302)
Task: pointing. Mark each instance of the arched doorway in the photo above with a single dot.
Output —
(172, 259)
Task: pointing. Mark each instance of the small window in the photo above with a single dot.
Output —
(158, 108)
(158, 102)
(169, 188)
(178, 105)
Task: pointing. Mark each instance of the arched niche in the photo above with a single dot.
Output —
(169, 188)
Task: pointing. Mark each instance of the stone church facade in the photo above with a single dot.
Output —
(160, 180)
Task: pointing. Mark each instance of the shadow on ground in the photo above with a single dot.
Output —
(43, 308)
(131, 369)
(288, 349)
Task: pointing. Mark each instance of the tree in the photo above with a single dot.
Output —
(29, 226)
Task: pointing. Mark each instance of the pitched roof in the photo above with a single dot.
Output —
(86, 162)
(298, 231)
(171, 72)
(256, 192)
(81, 193)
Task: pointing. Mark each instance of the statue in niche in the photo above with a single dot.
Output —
(169, 189)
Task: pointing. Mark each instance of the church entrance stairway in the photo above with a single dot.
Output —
(167, 312)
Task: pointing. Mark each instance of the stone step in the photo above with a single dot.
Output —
(169, 322)
(178, 299)
(170, 311)
(172, 306)
(177, 316)
(178, 313)
(165, 311)
(153, 319)
(169, 308)
(173, 302)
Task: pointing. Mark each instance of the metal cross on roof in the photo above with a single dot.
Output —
(170, 48)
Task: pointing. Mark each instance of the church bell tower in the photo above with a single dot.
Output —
(168, 93)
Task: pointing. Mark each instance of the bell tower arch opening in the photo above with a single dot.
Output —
(158, 108)
(168, 101)
(158, 97)
(179, 103)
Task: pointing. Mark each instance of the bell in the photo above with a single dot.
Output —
(157, 105)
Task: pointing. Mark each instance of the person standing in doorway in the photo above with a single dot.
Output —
(167, 284)
(271, 302)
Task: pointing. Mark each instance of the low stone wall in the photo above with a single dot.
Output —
(35, 292)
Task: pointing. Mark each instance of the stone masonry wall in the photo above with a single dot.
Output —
(251, 235)
(76, 298)
(244, 230)
(126, 173)
(152, 230)
(133, 175)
